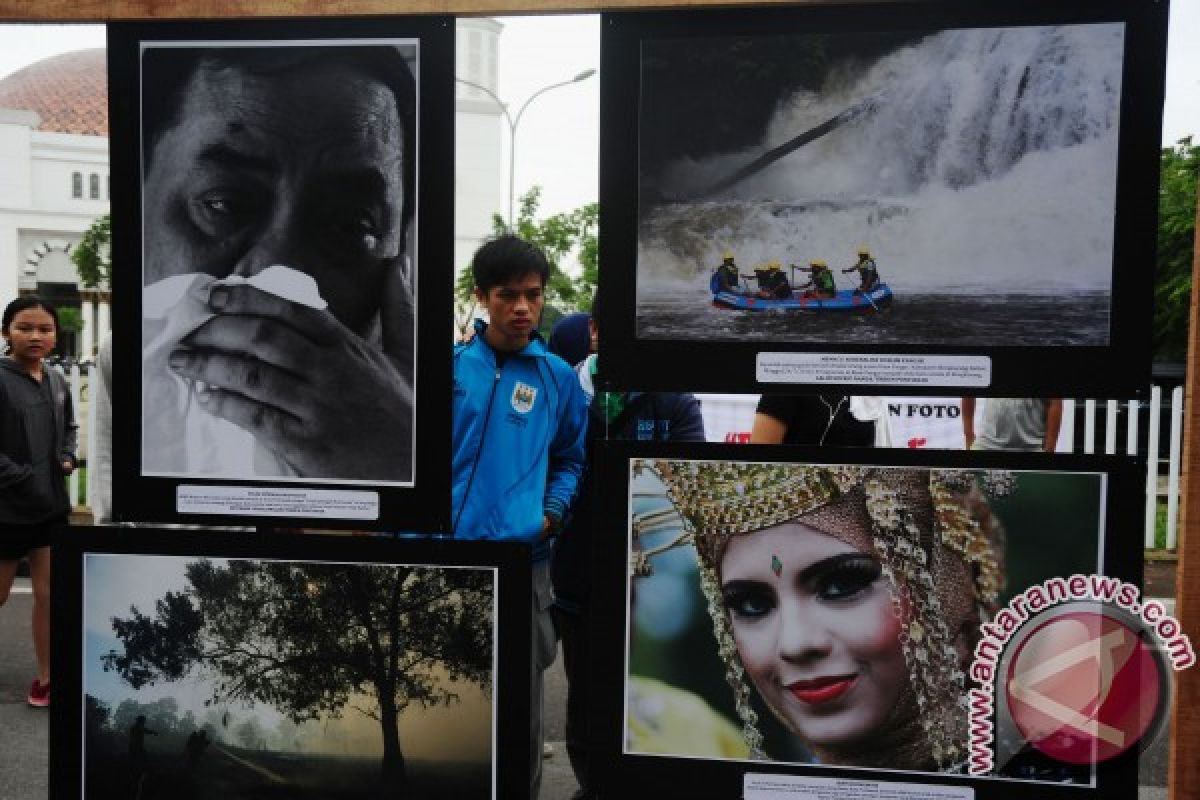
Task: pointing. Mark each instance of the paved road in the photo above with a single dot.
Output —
(23, 729)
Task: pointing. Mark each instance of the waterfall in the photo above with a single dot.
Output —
(988, 162)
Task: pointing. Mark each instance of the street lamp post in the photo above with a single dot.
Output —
(514, 122)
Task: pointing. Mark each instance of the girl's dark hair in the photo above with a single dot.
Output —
(23, 303)
(27, 301)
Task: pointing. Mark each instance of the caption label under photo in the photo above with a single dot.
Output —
(762, 786)
(258, 501)
(874, 369)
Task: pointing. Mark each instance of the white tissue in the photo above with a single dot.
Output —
(178, 436)
(290, 284)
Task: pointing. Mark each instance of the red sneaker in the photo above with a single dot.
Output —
(39, 694)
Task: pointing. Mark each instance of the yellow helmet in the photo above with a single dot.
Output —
(818, 263)
(774, 265)
(727, 255)
(864, 251)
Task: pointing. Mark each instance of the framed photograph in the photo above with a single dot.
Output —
(795, 620)
(919, 198)
(277, 187)
(193, 665)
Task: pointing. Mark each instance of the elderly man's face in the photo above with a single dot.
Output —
(302, 168)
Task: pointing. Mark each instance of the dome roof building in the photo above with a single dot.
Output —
(54, 181)
(68, 92)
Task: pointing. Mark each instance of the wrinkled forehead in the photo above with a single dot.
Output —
(314, 98)
(317, 109)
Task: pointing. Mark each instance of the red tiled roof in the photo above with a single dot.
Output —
(68, 91)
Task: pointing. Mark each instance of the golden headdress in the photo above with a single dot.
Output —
(939, 546)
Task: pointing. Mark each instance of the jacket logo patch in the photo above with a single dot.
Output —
(523, 397)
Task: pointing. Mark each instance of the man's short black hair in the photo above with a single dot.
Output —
(506, 259)
(168, 71)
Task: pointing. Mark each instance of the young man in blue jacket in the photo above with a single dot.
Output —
(519, 425)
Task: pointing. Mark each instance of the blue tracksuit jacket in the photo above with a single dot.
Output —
(519, 441)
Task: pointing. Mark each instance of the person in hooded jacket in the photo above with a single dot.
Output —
(643, 416)
(37, 449)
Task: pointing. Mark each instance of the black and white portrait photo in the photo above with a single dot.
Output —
(278, 259)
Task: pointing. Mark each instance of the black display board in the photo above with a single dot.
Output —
(282, 218)
(321, 665)
(664, 706)
(997, 162)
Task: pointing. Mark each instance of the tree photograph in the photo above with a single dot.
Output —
(248, 678)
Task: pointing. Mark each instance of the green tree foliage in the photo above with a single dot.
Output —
(309, 639)
(70, 320)
(93, 256)
(1179, 168)
(561, 237)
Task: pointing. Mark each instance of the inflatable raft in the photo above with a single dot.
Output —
(846, 300)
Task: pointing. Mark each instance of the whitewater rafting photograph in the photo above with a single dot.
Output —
(953, 186)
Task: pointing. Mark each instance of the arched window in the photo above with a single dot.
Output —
(94, 186)
(76, 184)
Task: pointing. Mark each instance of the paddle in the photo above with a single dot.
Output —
(866, 294)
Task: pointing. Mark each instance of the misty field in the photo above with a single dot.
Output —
(227, 772)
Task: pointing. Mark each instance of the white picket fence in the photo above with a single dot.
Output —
(76, 375)
(728, 418)
(1157, 485)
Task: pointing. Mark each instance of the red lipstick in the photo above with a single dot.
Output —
(821, 690)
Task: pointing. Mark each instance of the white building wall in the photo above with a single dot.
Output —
(39, 238)
(478, 183)
(16, 129)
(16, 175)
(39, 218)
(9, 262)
(478, 176)
(56, 158)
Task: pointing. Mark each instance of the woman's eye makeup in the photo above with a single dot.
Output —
(748, 599)
(846, 578)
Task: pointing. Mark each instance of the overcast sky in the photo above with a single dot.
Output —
(558, 138)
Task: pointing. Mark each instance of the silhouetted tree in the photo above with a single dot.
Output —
(96, 713)
(305, 638)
